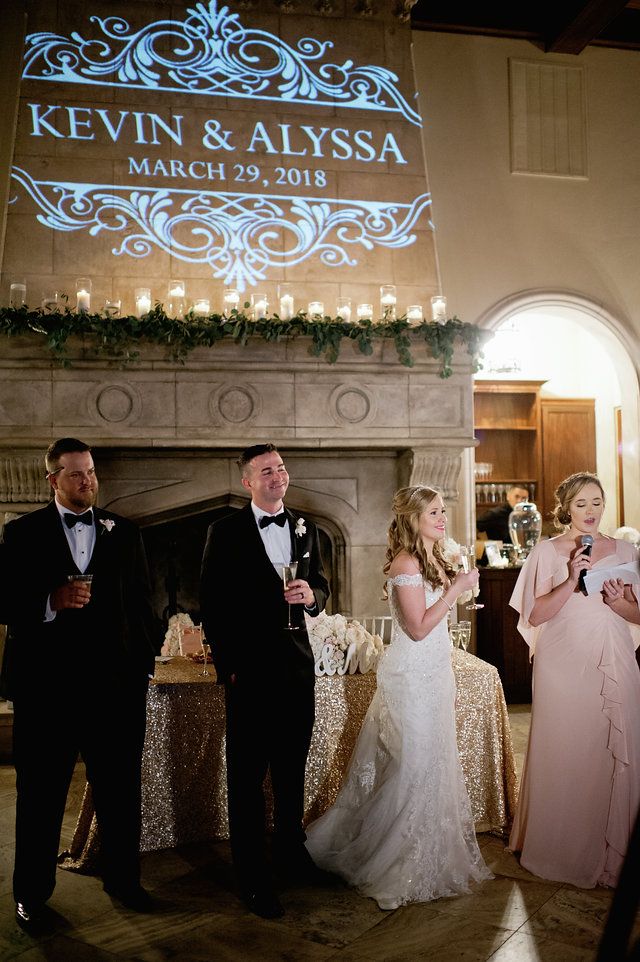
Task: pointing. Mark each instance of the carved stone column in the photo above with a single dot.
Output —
(437, 467)
(22, 481)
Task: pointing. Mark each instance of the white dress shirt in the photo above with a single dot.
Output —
(81, 540)
(276, 539)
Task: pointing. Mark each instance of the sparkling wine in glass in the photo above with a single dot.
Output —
(288, 574)
(467, 556)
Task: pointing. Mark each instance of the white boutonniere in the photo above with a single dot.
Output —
(300, 528)
(109, 523)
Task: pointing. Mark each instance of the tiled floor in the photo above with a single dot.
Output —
(514, 918)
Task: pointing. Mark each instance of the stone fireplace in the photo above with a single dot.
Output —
(165, 437)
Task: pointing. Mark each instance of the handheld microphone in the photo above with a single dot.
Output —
(587, 545)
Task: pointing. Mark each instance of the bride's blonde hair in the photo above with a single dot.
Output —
(404, 534)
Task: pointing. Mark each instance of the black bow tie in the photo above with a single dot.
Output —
(71, 519)
(279, 519)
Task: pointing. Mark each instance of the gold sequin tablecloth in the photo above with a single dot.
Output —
(484, 742)
(184, 772)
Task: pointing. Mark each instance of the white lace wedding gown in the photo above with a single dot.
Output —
(401, 828)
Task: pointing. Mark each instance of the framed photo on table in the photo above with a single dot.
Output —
(492, 551)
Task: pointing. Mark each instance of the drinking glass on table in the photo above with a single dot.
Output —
(464, 634)
(467, 555)
(288, 574)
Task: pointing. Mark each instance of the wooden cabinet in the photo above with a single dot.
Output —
(508, 429)
(568, 441)
(498, 640)
(530, 440)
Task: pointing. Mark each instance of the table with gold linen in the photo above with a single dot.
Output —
(184, 796)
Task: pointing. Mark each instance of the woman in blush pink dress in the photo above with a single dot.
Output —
(580, 788)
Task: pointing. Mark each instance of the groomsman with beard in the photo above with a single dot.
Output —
(267, 669)
(77, 662)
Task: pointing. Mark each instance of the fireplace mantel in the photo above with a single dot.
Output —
(229, 395)
(165, 435)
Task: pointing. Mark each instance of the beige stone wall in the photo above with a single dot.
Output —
(500, 233)
(557, 243)
(65, 134)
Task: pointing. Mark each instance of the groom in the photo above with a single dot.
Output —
(267, 669)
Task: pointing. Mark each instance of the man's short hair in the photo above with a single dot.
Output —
(62, 446)
(254, 452)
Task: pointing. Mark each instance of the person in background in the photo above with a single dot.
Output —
(77, 663)
(495, 522)
(580, 790)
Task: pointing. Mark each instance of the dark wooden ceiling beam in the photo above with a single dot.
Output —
(573, 34)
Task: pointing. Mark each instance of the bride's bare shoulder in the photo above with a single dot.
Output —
(404, 564)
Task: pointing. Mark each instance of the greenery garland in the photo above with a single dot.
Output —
(117, 336)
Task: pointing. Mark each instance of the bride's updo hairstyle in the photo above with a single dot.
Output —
(569, 489)
(404, 535)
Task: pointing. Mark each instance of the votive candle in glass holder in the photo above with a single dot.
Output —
(201, 307)
(17, 293)
(285, 296)
(343, 309)
(230, 300)
(112, 307)
(439, 309)
(143, 301)
(50, 300)
(365, 312)
(315, 310)
(259, 305)
(388, 302)
(176, 303)
(83, 295)
(415, 315)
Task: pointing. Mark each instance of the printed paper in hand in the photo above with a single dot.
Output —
(594, 579)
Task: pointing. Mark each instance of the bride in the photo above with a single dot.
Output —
(401, 828)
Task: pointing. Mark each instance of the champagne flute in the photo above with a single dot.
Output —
(467, 553)
(288, 574)
(205, 648)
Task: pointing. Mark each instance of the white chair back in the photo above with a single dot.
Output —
(378, 625)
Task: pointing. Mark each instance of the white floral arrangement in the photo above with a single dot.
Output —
(341, 646)
(171, 644)
(452, 554)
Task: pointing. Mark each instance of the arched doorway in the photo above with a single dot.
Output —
(581, 350)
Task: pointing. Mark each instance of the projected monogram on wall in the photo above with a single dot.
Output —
(239, 234)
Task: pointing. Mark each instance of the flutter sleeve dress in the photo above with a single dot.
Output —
(580, 788)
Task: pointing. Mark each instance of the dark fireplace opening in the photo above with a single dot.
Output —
(174, 549)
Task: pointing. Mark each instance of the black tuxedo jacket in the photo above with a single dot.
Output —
(242, 602)
(115, 631)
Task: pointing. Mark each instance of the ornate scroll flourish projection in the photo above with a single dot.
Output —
(240, 236)
(212, 53)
